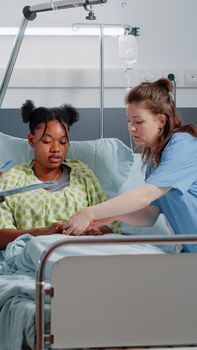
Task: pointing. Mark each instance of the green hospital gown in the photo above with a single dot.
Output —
(41, 208)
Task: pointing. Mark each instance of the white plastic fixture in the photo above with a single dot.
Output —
(59, 31)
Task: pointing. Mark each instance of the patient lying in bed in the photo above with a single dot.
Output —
(43, 211)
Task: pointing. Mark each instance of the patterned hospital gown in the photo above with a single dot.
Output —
(41, 208)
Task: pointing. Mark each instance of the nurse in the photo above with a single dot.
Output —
(169, 151)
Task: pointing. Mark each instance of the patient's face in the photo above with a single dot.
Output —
(49, 149)
(143, 125)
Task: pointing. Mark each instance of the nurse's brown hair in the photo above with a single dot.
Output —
(157, 98)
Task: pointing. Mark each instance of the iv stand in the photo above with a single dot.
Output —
(127, 29)
(30, 14)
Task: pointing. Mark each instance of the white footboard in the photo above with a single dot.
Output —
(123, 300)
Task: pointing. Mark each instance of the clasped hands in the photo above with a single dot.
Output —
(81, 223)
(61, 227)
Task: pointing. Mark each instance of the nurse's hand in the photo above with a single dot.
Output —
(79, 222)
(101, 222)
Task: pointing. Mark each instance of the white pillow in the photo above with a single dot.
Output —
(14, 148)
(110, 160)
(116, 166)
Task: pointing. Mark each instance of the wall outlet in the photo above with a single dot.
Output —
(179, 76)
(149, 74)
(191, 78)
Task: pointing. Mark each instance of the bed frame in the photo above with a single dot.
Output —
(119, 300)
(114, 300)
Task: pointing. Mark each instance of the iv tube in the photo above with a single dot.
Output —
(128, 54)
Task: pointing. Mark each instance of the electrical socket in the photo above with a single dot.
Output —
(149, 75)
(184, 78)
(146, 76)
(179, 76)
(191, 78)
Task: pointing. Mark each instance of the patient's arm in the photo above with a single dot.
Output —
(8, 235)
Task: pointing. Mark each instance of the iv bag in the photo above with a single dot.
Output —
(127, 49)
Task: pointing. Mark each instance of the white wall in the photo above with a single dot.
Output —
(48, 69)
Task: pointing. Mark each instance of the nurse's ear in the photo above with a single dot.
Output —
(162, 120)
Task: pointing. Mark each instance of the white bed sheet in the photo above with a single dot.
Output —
(17, 281)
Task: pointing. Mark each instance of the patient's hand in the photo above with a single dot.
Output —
(2, 199)
(56, 227)
(92, 232)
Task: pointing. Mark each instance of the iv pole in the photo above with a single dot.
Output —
(30, 13)
(128, 30)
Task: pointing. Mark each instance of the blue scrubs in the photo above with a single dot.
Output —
(178, 169)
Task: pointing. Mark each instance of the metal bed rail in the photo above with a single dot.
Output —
(40, 284)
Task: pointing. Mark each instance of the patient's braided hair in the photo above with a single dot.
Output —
(157, 98)
(65, 114)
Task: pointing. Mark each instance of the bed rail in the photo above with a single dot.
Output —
(40, 284)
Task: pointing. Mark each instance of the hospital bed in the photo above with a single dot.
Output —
(131, 290)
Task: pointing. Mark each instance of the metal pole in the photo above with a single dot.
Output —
(30, 14)
(12, 59)
(129, 30)
(64, 4)
(39, 341)
(101, 83)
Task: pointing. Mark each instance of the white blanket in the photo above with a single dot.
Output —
(17, 282)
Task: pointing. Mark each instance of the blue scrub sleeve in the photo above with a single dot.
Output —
(178, 165)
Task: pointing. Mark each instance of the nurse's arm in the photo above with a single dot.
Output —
(144, 217)
(124, 204)
(128, 202)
